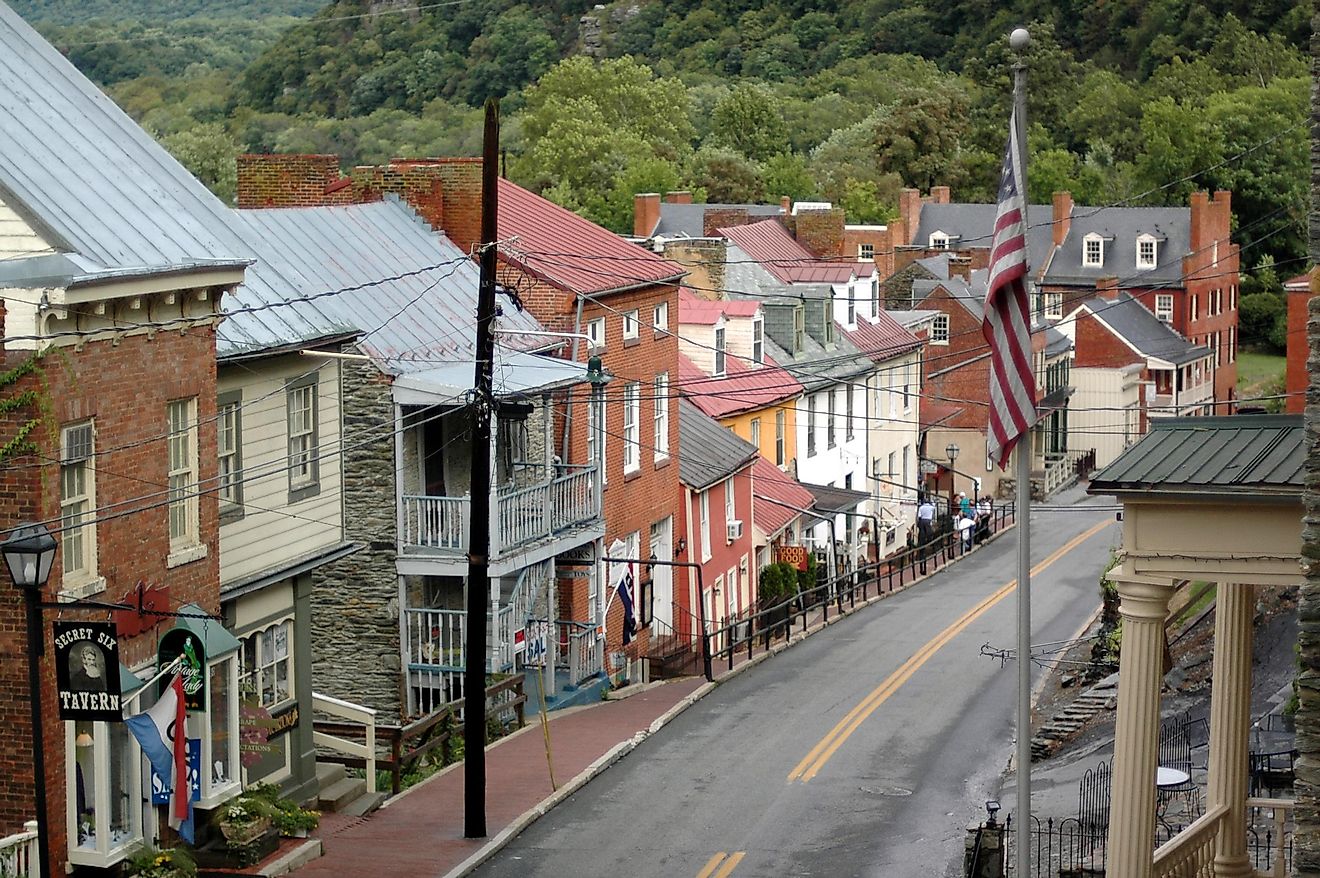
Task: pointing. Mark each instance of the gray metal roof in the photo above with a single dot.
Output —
(1238, 454)
(1120, 227)
(958, 289)
(1056, 342)
(711, 451)
(408, 323)
(688, 220)
(1136, 325)
(830, 499)
(973, 225)
(89, 180)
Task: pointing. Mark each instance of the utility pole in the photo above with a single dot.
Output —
(478, 577)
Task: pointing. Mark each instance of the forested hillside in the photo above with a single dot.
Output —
(738, 99)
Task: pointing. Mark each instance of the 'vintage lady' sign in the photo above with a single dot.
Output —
(182, 643)
(87, 671)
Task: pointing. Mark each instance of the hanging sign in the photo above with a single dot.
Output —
(87, 671)
(182, 642)
(795, 555)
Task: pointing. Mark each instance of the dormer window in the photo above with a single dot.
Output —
(939, 241)
(827, 313)
(719, 351)
(1147, 251)
(799, 330)
(758, 340)
(1093, 251)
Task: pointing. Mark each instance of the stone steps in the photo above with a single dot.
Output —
(1069, 720)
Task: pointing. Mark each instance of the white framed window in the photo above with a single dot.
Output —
(799, 329)
(719, 351)
(1164, 307)
(1232, 297)
(875, 296)
(780, 452)
(866, 252)
(827, 314)
(1147, 251)
(596, 432)
(758, 340)
(660, 317)
(1054, 305)
(181, 416)
(849, 398)
(830, 412)
(907, 387)
(852, 310)
(704, 502)
(596, 334)
(939, 241)
(1093, 251)
(304, 450)
(1193, 308)
(907, 457)
(662, 416)
(630, 325)
(756, 432)
(811, 424)
(632, 411)
(103, 780)
(939, 331)
(730, 505)
(77, 502)
(1232, 344)
(267, 668)
(229, 454)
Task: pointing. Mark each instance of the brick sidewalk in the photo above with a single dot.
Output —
(419, 834)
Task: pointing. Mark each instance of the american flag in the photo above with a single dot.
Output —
(1007, 322)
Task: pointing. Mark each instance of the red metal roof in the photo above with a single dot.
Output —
(744, 387)
(1295, 284)
(769, 481)
(883, 339)
(571, 252)
(770, 244)
(933, 413)
(696, 311)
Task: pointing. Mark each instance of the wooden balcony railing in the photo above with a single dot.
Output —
(1191, 853)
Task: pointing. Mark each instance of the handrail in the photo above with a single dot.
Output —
(20, 852)
(1191, 853)
(1278, 846)
(354, 713)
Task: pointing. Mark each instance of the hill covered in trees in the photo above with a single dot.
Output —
(737, 99)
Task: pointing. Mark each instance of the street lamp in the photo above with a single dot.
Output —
(952, 451)
(29, 553)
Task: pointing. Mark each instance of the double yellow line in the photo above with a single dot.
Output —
(812, 763)
(721, 865)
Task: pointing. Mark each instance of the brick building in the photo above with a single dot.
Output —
(574, 277)
(1299, 292)
(111, 294)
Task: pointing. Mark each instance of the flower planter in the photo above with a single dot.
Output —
(243, 834)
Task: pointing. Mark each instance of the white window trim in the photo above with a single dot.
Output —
(661, 418)
(632, 437)
(256, 673)
(938, 241)
(730, 504)
(938, 327)
(1087, 260)
(721, 354)
(85, 580)
(754, 428)
(758, 340)
(1161, 313)
(596, 335)
(104, 854)
(631, 325)
(1054, 305)
(187, 546)
(660, 317)
(1155, 251)
(866, 252)
(704, 502)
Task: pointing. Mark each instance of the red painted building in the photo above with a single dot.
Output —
(1299, 290)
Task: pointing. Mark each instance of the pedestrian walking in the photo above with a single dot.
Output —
(983, 513)
(925, 520)
(964, 505)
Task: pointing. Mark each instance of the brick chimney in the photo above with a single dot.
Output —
(680, 197)
(1201, 224)
(646, 213)
(1106, 287)
(1062, 216)
(909, 215)
(285, 180)
(785, 205)
(939, 195)
(714, 220)
(821, 232)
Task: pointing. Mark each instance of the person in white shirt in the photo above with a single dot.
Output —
(964, 527)
(926, 520)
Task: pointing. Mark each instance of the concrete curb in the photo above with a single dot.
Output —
(615, 753)
(299, 856)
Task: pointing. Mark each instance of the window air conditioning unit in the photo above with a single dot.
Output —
(735, 530)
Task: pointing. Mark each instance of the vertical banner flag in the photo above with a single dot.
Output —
(160, 732)
(1007, 322)
(625, 589)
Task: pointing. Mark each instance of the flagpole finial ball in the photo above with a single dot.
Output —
(1019, 39)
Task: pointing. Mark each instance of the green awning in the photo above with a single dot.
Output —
(215, 638)
(129, 682)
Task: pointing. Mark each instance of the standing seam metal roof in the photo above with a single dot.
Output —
(711, 452)
(88, 178)
(409, 323)
(1237, 454)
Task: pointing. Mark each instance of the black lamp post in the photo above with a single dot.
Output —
(29, 553)
(952, 451)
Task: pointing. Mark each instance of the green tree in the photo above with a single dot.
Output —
(727, 176)
(1257, 315)
(787, 174)
(750, 120)
(209, 153)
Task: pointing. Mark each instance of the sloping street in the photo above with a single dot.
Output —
(863, 751)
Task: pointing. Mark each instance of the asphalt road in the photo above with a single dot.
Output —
(863, 751)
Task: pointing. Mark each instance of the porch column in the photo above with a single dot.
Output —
(1230, 724)
(1144, 604)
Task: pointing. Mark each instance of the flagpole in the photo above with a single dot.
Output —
(1019, 41)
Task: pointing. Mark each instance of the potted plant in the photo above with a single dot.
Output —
(245, 819)
(153, 863)
(291, 820)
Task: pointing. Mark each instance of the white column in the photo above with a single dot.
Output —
(1144, 604)
(1230, 724)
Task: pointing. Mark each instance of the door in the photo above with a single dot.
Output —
(662, 577)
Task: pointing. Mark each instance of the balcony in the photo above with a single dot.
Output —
(541, 515)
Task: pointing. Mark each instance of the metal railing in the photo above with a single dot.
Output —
(1191, 853)
(20, 852)
(330, 735)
